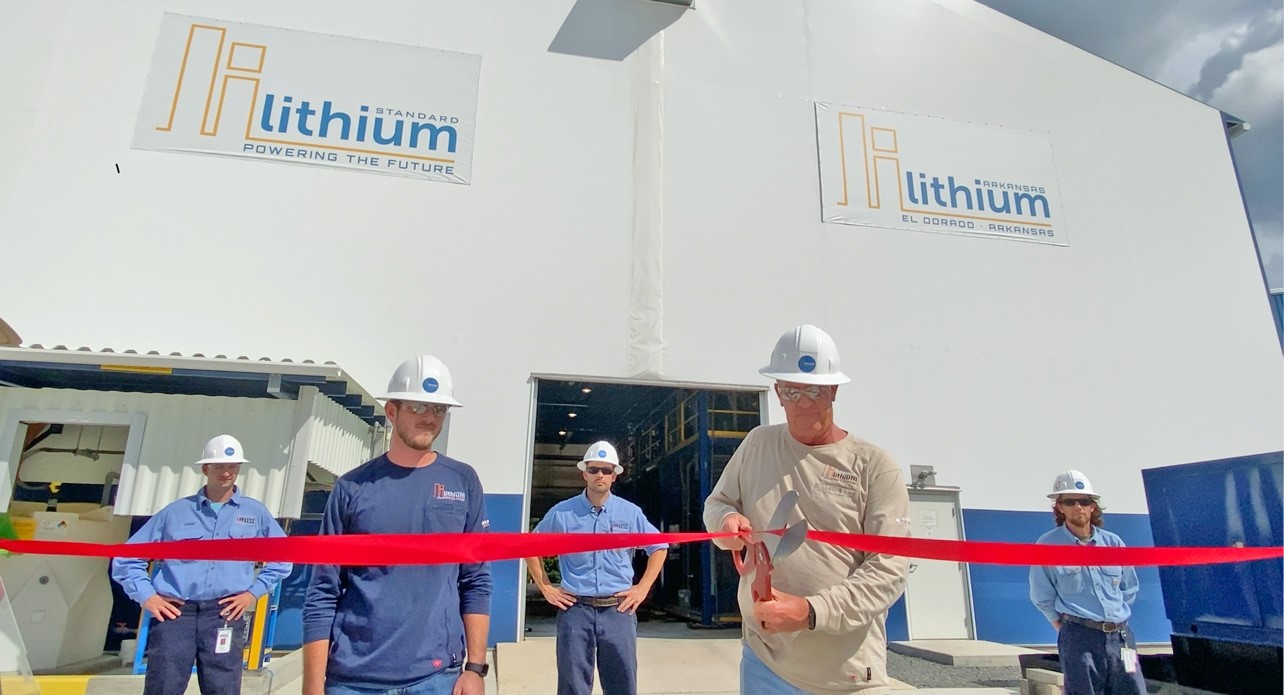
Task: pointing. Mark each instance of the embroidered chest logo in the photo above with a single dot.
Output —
(620, 526)
(440, 492)
(246, 520)
(834, 480)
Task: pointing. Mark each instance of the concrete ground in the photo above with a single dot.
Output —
(673, 659)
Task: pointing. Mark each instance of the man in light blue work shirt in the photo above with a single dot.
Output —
(1088, 606)
(598, 600)
(199, 604)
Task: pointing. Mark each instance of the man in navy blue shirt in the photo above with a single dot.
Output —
(412, 629)
(598, 600)
(1088, 606)
(198, 605)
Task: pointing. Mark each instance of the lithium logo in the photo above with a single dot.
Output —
(267, 93)
(887, 169)
(440, 492)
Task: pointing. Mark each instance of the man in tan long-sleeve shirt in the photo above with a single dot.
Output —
(824, 631)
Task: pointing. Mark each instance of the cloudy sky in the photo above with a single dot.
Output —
(1226, 53)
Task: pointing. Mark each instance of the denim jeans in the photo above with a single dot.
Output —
(757, 679)
(440, 683)
(1091, 663)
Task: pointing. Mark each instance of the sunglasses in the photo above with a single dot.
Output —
(437, 409)
(599, 470)
(793, 395)
(1080, 501)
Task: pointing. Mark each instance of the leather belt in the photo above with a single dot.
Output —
(598, 601)
(1104, 627)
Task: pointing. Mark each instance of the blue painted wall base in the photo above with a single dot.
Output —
(1001, 594)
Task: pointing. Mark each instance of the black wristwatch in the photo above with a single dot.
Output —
(811, 616)
(480, 669)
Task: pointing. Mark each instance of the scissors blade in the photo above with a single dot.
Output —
(784, 509)
(790, 541)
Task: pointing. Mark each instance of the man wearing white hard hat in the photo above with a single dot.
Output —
(597, 599)
(198, 605)
(412, 629)
(824, 630)
(1088, 606)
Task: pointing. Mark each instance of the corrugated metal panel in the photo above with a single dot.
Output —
(177, 427)
(339, 442)
(110, 370)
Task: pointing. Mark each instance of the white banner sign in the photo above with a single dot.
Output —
(243, 90)
(900, 171)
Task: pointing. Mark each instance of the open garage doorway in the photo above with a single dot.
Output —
(674, 440)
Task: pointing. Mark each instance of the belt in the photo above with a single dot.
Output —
(1104, 627)
(598, 601)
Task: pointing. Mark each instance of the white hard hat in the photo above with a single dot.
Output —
(422, 379)
(1072, 483)
(805, 355)
(223, 449)
(601, 452)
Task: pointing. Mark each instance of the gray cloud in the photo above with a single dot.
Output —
(1249, 39)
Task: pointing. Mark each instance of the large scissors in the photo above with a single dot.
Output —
(759, 555)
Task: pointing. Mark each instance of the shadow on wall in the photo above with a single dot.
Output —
(612, 29)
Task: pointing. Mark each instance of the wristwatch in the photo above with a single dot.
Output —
(480, 669)
(811, 616)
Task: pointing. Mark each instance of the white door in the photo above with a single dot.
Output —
(936, 598)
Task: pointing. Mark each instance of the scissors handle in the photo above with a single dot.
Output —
(762, 578)
(755, 559)
(745, 559)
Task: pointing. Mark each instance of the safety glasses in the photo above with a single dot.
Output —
(1080, 501)
(793, 395)
(599, 470)
(437, 409)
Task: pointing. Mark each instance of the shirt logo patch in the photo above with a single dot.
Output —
(619, 525)
(837, 476)
(249, 520)
(440, 492)
(834, 482)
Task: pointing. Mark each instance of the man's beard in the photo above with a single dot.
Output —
(419, 441)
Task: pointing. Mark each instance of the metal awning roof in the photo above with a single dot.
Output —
(240, 377)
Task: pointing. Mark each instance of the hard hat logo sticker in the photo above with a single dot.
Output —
(229, 451)
(430, 385)
(806, 363)
(1078, 484)
(601, 453)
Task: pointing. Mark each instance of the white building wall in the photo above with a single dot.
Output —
(999, 363)
(1146, 341)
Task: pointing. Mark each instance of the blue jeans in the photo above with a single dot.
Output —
(174, 645)
(1091, 663)
(603, 634)
(757, 679)
(439, 683)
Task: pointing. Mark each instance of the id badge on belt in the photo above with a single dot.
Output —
(1129, 658)
(223, 642)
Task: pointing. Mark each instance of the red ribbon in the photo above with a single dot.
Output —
(444, 548)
